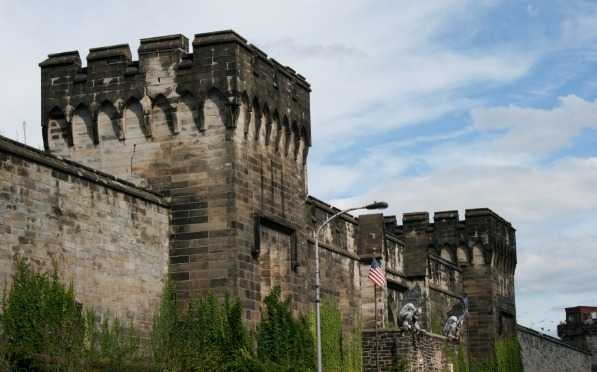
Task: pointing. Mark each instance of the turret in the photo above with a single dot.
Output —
(474, 257)
(224, 131)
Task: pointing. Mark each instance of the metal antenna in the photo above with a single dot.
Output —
(25, 132)
(132, 156)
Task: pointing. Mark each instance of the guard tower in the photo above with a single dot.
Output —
(478, 254)
(224, 131)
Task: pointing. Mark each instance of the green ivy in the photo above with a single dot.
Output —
(45, 329)
(437, 317)
(202, 335)
(507, 358)
(282, 339)
(341, 349)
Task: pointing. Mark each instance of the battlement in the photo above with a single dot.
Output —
(168, 43)
(178, 43)
(416, 220)
(481, 235)
(62, 59)
(120, 53)
(221, 64)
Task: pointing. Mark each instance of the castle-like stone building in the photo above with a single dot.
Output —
(580, 329)
(193, 163)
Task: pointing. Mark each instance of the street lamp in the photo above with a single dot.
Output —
(374, 205)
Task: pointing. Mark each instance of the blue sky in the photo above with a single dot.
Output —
(433, 105)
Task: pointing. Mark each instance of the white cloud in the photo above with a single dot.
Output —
(523, 194)
(552, 205)
(355, 54)
(534, 131)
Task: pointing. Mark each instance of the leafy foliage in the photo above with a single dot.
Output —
(44, 328)
(507, 358)
(341, 349)
(282, 339)
(203, 336)
(41, 317)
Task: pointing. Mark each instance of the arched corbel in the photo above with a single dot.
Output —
(68, 118)
(232, 107)
(119, 113)
(94, 111)
(176, 124)
(147, 105)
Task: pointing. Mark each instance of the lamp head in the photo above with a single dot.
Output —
(377, 205)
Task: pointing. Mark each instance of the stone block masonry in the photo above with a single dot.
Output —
(543, 353)
(106, 236)
(424, 352)
(222, 129)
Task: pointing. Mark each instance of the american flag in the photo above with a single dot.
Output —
(376, 273)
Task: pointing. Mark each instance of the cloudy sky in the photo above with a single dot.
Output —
(430, 105)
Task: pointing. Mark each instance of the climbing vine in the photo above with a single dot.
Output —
(507, 358)
(44, 328)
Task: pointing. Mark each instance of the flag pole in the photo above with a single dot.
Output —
(376, 335)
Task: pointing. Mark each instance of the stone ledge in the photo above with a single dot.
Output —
(331, 209)
(332, 249)
(397, 331)
(78, 170)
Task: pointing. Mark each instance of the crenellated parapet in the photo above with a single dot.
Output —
(482, 238)
(169, 84)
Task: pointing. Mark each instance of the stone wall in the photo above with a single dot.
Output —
(542, 353)
(580, 334)
(341, 277)
(424, 352)
(592, 346)
(106, 236)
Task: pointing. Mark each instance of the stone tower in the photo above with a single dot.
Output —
(480, 253)
(223, 131)
(580, 330)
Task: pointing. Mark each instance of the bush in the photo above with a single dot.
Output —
(41, 319)
(44, 328)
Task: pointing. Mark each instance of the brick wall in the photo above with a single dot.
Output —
(424, 352)
(542, 353)
(106, 236)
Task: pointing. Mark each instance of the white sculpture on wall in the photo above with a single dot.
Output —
(454, 324)
(411, 312)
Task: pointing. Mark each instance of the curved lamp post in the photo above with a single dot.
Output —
(374, 205)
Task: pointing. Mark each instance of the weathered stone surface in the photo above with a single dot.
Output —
(106, 236)
(542, 353)
(424, 352)
(580, 330)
